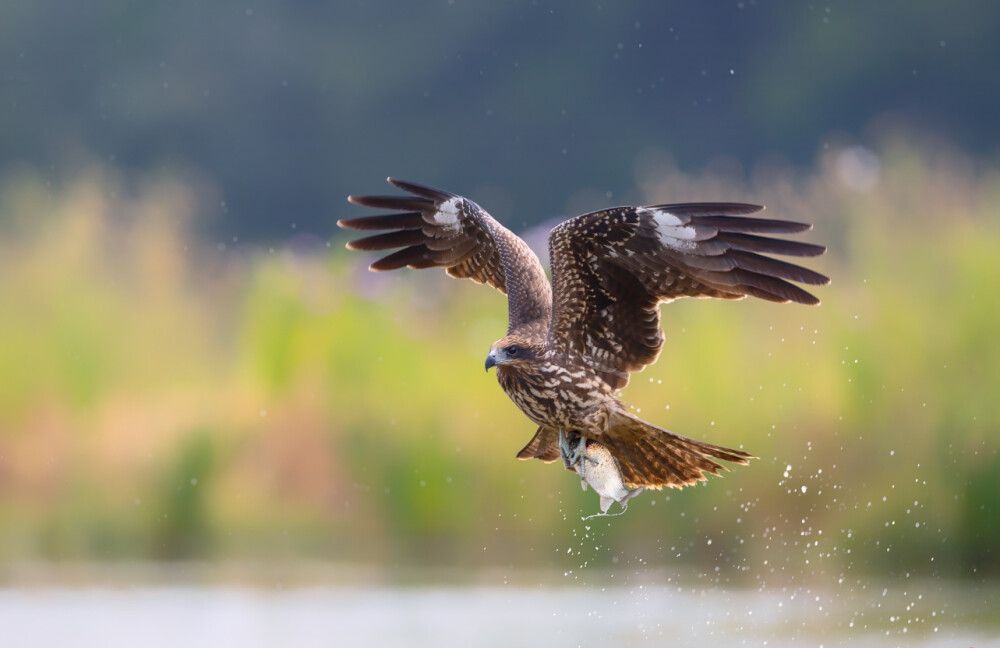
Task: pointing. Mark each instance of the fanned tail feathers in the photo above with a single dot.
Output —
(653, 457)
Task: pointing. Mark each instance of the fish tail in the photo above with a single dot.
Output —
(653, 457)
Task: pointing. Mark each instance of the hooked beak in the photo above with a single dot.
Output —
(491, 361)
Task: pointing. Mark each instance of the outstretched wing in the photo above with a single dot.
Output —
(439, 229)
(612, 268)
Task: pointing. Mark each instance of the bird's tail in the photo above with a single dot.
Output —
(653, 457)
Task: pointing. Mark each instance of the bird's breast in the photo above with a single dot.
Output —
(555, 395)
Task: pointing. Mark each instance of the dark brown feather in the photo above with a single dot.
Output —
(399, 238)
(737, 224)
(440, 229)
(407, 220)
(611, 269)
(774, 268)
(653, 457)
(416, 256)
(544, 445)
(708, 208)
(751, 243)
(408, 204)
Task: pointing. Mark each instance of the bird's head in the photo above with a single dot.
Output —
(511, 350)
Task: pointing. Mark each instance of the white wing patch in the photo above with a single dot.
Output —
(447, 213)
(672, 231)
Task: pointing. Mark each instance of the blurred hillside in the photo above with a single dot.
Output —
(166, 397)
(285, 108)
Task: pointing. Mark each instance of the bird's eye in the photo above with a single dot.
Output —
(512, 350)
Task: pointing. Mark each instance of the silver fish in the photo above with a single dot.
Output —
(597, 467)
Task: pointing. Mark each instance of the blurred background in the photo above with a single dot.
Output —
(200, 386)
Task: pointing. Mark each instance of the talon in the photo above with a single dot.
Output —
(569, 454)
(574, 453)
(581, 452)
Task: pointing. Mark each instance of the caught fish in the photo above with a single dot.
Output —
(598, 468)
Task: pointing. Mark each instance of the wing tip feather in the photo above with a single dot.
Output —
(423, 191)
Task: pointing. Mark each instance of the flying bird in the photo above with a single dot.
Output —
(571, 344)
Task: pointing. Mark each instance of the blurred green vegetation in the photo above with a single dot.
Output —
(163, 398)
(284, 106)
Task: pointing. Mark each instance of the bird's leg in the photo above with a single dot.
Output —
(574, 451)
(564, 450)
(569, 448)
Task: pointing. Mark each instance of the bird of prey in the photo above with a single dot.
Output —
(571, 345)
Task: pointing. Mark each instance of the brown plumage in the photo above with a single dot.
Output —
(572, 344)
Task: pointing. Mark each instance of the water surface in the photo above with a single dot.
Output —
(497, 615)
